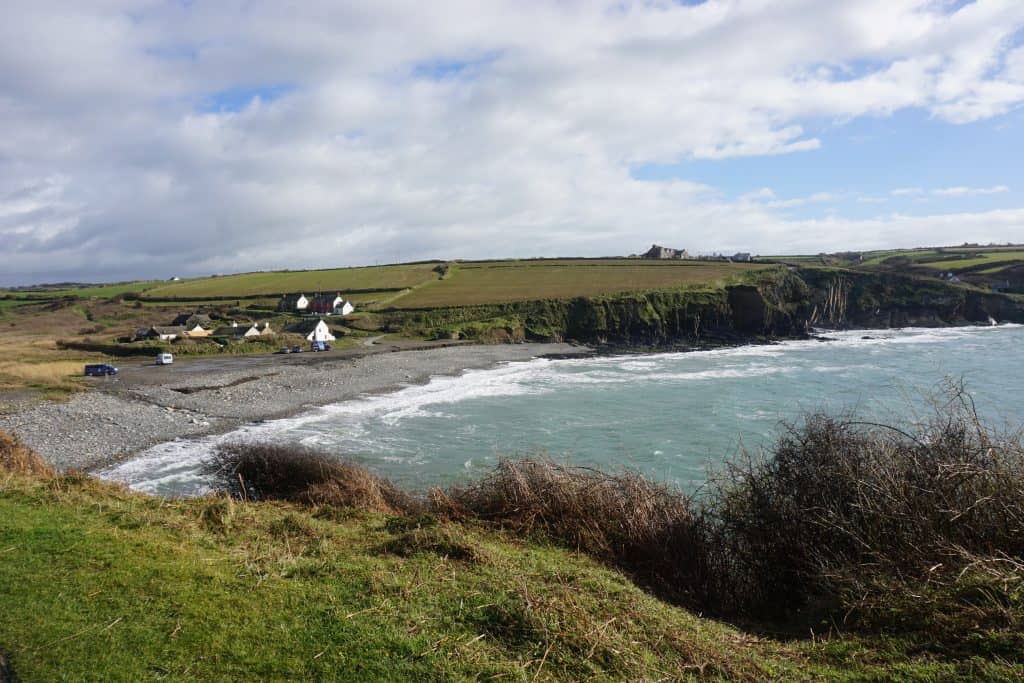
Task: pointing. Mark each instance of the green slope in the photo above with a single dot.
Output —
(98, 584)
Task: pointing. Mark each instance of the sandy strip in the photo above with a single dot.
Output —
(115, 420)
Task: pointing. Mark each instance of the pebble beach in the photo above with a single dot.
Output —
(114, 420)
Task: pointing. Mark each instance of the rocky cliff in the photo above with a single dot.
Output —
(782, 303)
(841, 298)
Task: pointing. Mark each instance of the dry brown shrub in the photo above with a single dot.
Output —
(847, 517)
(17, 458)
(621, 518)
(295, 473)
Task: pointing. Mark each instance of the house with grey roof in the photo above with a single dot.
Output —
(293, 303)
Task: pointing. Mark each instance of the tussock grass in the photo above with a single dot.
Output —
(297, 474)
(17, 458)
(836, 492)
(443, 541)
(620, 517)
(876, 527)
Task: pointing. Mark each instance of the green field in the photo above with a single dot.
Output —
(504, 281)
(306, 281)
(997, 259)
(951, 258)
(99, 584)
(7, 304)
(797, 259)
(99, 290)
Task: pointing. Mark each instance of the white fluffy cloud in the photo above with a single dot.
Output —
(954, 191)
(134, 143)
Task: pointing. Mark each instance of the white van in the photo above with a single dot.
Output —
(164, 359)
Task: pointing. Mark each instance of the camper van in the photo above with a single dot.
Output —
(164, 359)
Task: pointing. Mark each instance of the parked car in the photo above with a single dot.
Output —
(296, 349)
(283, 349)
(164, 359)
(319, 346)
(100, 370)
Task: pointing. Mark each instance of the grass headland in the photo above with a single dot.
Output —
(848, 551)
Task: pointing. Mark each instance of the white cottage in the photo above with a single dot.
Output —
(313, 330)
(166, 332)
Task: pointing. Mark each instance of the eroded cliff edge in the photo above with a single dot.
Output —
(774, 304)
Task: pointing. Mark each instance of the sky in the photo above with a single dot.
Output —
(153, 139)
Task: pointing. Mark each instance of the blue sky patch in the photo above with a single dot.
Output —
(443, 69)
(238, 98)
(865, 163)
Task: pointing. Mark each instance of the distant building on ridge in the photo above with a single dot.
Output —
(660, 252)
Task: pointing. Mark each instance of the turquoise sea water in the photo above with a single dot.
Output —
(668, 415)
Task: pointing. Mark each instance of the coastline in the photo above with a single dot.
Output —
(115, 420)
(111, 422)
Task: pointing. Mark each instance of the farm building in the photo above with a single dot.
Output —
(197, 331)
(161, 332)
(313, 330)
(328, 304)
(244, 331)
(742, 257)
(293, 303)
(192, 320)
(659, 252)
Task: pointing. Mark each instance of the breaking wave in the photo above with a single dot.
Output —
(665, 413)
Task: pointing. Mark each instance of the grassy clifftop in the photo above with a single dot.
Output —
(850, 555)
(99, 584)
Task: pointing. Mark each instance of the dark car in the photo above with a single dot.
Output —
(100, 370)
(319, 346)
(296, 349)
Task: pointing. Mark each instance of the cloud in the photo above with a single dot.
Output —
(963, 191)
(151, 139)
(766, 197)
(949, 192)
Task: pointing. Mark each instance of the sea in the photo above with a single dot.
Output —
(675, 417)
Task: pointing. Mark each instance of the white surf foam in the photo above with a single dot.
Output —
(175, 466)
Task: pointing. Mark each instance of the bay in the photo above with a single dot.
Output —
(668, 415)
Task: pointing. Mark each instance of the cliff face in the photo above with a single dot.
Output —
(879, 300)
(784, 303)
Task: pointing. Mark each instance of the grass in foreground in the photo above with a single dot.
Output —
(898, 553)
(99, 584)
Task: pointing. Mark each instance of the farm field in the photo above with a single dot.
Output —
(94, 291)
(307, 281)
(996, 259)
(505, 281)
